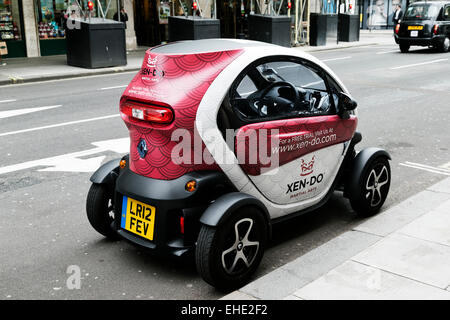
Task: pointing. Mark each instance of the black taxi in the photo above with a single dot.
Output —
(425, 24)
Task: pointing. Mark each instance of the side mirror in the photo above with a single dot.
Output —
(346, 104)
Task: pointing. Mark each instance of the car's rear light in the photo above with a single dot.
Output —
(435, 29)
(182, 225)
(397, 28)
(147, 112)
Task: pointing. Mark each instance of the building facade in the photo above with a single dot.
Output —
(34, 28)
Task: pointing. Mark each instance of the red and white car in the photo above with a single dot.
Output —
(229, 137)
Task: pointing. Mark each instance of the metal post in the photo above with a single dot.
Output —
(215, 9)
(296, 22)
(118, 10)
(338, 11)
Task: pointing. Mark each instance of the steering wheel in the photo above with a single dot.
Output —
(269, 101)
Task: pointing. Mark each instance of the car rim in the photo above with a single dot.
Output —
(242, 253)
(446, 44)
(378, 178)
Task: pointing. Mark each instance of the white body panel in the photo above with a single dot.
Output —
(206, 127)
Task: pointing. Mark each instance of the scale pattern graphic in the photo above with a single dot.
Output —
(178, 81)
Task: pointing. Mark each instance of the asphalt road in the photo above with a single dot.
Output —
(403, 107)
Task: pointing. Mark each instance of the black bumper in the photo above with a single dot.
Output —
(424, 42)
(172, 202)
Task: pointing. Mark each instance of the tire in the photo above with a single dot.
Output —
(445, 45)
(219, 251)
(404, 48)
(374, 184)
(98, 210)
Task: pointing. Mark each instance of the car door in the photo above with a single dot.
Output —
(292, 153)
(446, 20)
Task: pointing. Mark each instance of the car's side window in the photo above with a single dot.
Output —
(281, 89)
(447, 13)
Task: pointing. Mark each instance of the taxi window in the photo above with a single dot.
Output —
(421, 12)
(447, 13)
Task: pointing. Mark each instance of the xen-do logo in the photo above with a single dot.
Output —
(151, 70)
(307, 168)
(151, 63)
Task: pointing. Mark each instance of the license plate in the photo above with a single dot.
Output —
(415, 27)
(414, 33)
(138, 218)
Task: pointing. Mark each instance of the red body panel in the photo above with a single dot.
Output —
(178, 81)
(295, 138)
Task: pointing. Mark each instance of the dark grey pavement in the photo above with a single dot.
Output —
(403, 107)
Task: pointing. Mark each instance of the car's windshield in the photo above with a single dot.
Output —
(421, 12)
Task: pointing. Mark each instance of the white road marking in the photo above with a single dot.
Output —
(334, 59)
(390, 51)
(58, 125)
(19, 112)
(10, 100)
(70, 162)
(110, 88)
(76, 165)
(418, 64)
(426, 168)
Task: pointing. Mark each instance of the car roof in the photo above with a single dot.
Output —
(207, 46)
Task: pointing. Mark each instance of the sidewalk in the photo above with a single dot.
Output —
(401, 253)
(20, 70)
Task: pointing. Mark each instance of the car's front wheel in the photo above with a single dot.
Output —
(228, 255)
(374, 183)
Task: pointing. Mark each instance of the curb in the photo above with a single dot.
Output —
(283, 282)
(19, 80)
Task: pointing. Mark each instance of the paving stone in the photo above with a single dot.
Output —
(355, 281)
(443, 186)
(417, 259)
(433, 226)
(402, 214)
(238, 295)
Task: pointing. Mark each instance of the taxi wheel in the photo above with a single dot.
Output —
(445, 46)
(404, 48)
(99, 210)
(374, 186)
(227, 256)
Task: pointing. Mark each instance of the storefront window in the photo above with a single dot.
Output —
(51, 18)
(10, 26)
(380, 13)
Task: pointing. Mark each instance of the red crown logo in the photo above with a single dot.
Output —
(307, 167)
(151, 63)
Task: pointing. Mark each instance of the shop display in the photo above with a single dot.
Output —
(8, 28)
(50, 31)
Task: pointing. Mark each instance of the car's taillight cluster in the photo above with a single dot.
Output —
(397, 28)
(435, 29)
(147, 112)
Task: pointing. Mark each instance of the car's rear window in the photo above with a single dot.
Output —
(421, 12)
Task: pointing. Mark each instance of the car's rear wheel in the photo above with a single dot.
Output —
(374, 183)
(404, 48)
(228, 255)
(99, 210)
(445, 45)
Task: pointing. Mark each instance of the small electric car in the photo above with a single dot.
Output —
(227, 138)
(425, 24)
